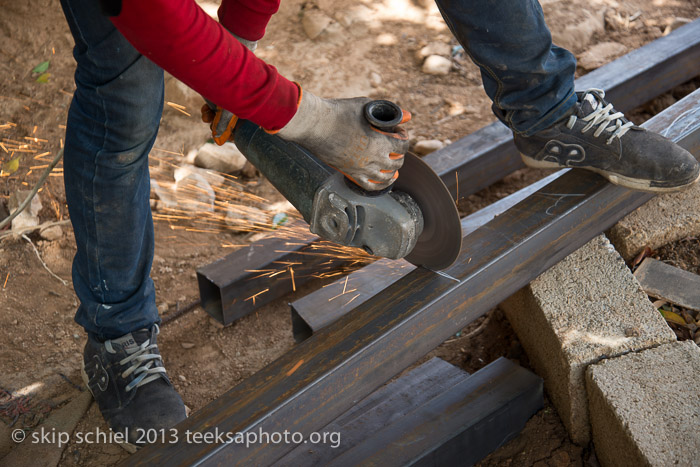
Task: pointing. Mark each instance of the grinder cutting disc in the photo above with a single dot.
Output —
(441, 240)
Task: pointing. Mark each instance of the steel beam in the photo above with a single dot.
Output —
(469, 165)
(325, 375)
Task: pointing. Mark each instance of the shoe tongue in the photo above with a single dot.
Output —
(130, 343)
(589, 104)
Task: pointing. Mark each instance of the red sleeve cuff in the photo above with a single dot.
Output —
(247, 18)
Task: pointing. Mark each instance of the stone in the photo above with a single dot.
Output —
(214, 179)
(427, 146)
(644, 406)
(579, 311)
(63, 420)
(435, 48)
(600, 54)
(437, 65)
(225, 159)
(186, 345)
(664, 219)
(314, 22)
(375, 79)
(30, 216)
(51, 233)
(163, 308)
(386, 39)
(578, 35)
(194, 192)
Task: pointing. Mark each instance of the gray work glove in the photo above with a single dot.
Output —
(221, 120)
(336, 131)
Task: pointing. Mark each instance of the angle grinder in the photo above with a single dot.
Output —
(415, 218)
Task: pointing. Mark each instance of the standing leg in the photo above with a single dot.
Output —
(529, 80)
(112, 124)
(531, 84)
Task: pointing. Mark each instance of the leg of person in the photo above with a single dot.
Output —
(531, 84)
(112, 124)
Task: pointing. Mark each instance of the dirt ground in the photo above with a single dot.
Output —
(369, 48)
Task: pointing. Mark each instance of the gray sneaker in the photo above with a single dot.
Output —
(597, 137)
(127, 379)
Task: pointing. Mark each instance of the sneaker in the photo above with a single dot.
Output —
(594, 136)
(127, 379)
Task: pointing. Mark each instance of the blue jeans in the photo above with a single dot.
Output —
(112, 124)
(529, 80)
(114, 116)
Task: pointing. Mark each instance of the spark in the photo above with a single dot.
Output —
(256, 295)
(341, 294)
(6, 277)
(352, 299)
(294, 286)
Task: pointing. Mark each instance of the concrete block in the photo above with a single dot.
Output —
(645, 408)
(587, 307)
(664, 219)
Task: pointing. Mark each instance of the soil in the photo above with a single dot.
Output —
(369, 49)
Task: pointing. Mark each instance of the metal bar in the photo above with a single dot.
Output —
(323, 376)
(385, 406)
(458, 427)
(323, 306)
(473, 162)
(237, 284)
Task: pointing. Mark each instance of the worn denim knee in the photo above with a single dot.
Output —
(529, 80)
(112, 124)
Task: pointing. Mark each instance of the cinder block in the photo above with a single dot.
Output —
(587, 307)
(645, 407)
(665, 219)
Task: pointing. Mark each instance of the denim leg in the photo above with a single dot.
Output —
(529, 80)
(112, 124)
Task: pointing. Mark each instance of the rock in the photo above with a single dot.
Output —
(375, 79)
(24, 220)
(356, 14)
(165, 194)
(18, 198)
(314, 22)
(51, 233)
(181, 378)
(186, 345)
(427, 146)
(437, 65)
(435, 48)
(577, 36)
(163, 308)
(212, 177)
(249, 170)
(224, 159)
(194, 192)
(386, 39)
(600, 54)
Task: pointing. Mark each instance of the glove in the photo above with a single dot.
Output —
(336, 131)
(221, 120)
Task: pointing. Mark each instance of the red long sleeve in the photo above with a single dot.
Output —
(247, 18)
(181, 38)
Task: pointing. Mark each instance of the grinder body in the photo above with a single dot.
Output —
(387, 223)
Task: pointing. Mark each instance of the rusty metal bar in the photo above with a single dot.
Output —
(325, 375)
(323, 306)
(473, 162)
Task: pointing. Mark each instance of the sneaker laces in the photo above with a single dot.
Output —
(614, 122)
(142, 363)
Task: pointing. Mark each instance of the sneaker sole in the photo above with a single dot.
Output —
(128, 447)
(615, 179)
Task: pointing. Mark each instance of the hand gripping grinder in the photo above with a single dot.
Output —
(415, 218)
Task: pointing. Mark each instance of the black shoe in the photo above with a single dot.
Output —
(597, 137)
(127, 379)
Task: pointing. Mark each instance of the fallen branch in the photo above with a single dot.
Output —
(64, 282)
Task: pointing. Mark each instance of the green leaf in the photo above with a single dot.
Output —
(42, 67)
(11, 166)
(44, 78)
